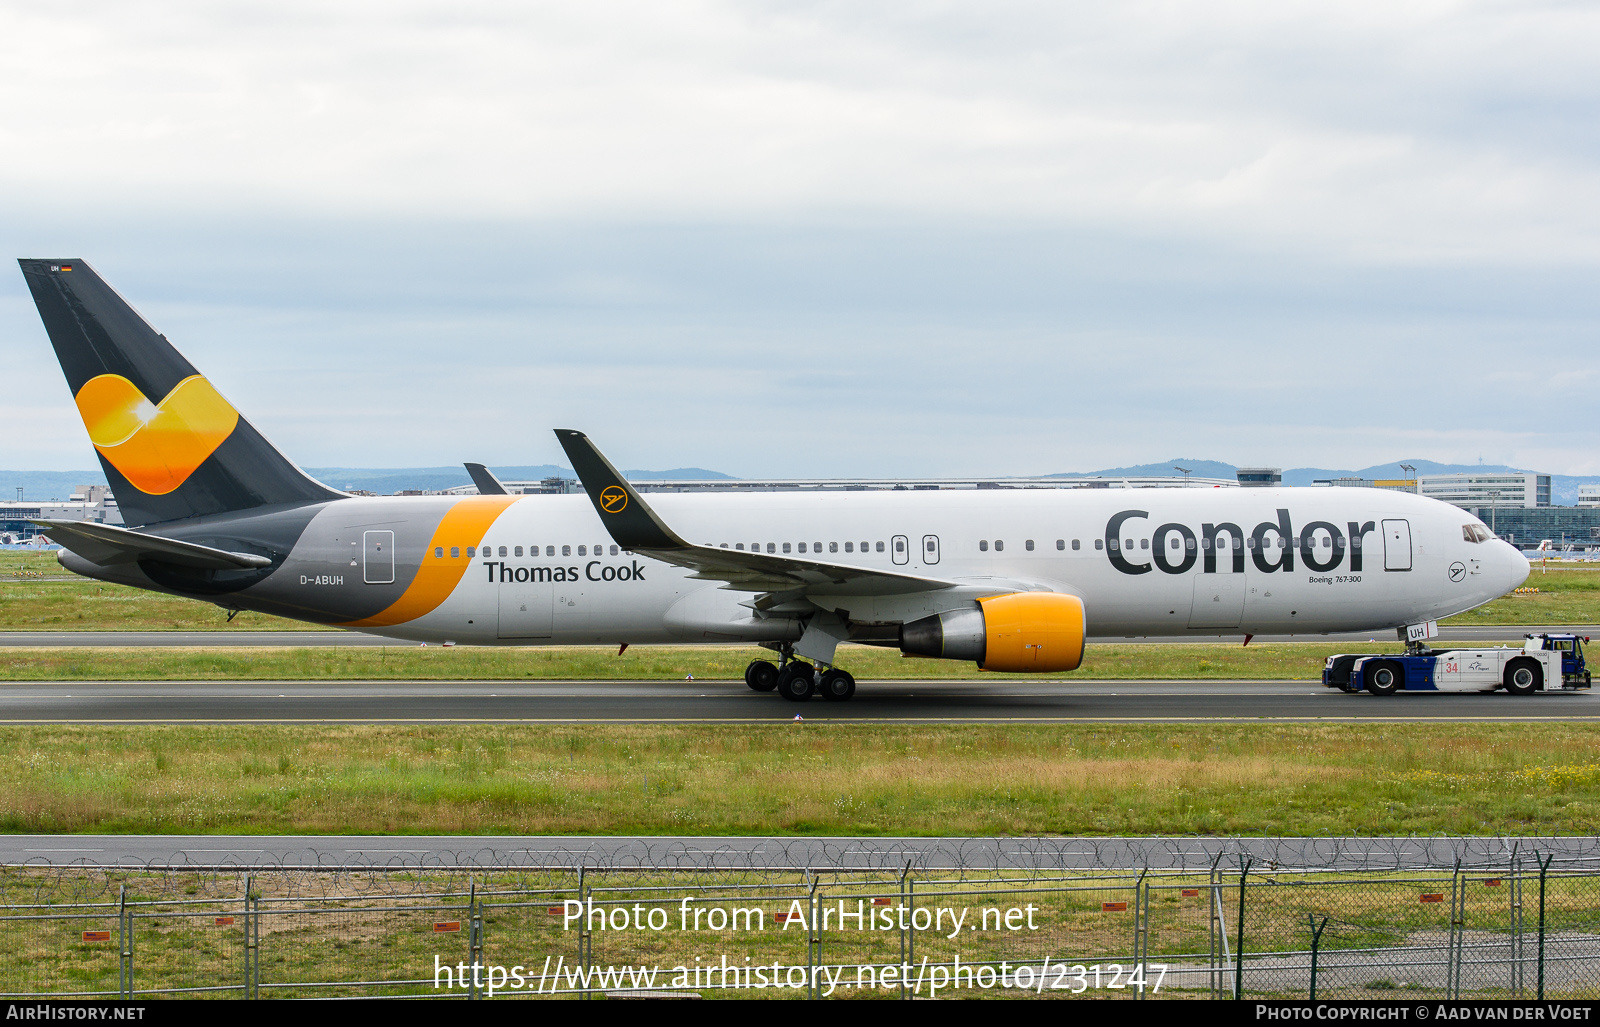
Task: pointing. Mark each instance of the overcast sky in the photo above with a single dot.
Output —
(827, 239)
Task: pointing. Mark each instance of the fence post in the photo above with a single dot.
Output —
(813, 937)
(1316, 941)
(1238, 948)
(585, 940)
(1544, 870)
(1458, 914)
(249, 947)
(1141, 927)
(1219, 938)
(253, 939)
(474, 942)
(1514, 888)
(905, 903)
(124, 938)
(911, 933)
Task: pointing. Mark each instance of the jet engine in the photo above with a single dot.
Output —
(1023, 631)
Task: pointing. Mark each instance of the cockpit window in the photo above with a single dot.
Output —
(1475, 533)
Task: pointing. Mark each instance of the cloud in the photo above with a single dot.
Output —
(827, 238)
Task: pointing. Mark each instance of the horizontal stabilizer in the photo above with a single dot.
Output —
(105, 544)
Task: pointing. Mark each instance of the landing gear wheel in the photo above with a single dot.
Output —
(837, 686)
(761, 676)
(797, 681)
(1524, 677)
(1382, 679)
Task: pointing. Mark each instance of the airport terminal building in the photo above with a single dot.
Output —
(88, 503)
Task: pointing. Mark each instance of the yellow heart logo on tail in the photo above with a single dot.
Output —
(156, 446)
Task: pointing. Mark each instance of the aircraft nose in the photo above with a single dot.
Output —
(1511, 567)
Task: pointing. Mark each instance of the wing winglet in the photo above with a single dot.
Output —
(488, 484)
(633, 525)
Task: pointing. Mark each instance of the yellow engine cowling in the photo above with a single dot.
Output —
(1033, 632)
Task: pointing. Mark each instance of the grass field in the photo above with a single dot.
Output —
(1263, 662)
(37, 594)
(805, 779)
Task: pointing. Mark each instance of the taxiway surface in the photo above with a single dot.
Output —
(400, 852)
(368, 702)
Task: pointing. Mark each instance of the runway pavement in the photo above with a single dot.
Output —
(124, 639)
(549, 702)
(468, 851)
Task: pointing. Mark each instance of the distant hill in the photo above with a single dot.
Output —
(46, 484)
(1200, 468)
(1563, 487)
(387, 480)
(382, 480)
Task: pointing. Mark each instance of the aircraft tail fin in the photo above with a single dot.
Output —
(170, 445)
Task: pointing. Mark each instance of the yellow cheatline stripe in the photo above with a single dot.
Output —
(464, 525)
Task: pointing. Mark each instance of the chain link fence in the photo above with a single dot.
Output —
(1523, 927)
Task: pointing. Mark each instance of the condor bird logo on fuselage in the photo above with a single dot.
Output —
(1176, 548)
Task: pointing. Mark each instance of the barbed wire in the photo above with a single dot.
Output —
(709, 862)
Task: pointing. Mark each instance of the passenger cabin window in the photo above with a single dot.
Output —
(849, 547)
(1061, 543)
(614, 548)
(1075, 545)
(998, 545)
(503, 550)
(864, 547)
(771, 548)
(983, 545)
(899, 545)
(517, 551)
(816, 547)
(1144, 543)
(1098, 544)
(880, 547)
(455, 552)
(1028, 545)
(438, 552)
(470, 553)
(566, 550)
(802, 547)
(549, 550)
(786, 547)
(833, 547)
(739, 546)
(583, 551)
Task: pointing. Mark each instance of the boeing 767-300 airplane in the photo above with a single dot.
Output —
(1012, 580)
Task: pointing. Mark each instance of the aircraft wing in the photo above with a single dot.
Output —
(635, 526)
(107, 544)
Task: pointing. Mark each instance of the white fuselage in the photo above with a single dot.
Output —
(1145, 562)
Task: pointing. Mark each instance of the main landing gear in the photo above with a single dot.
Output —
(798, 680)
